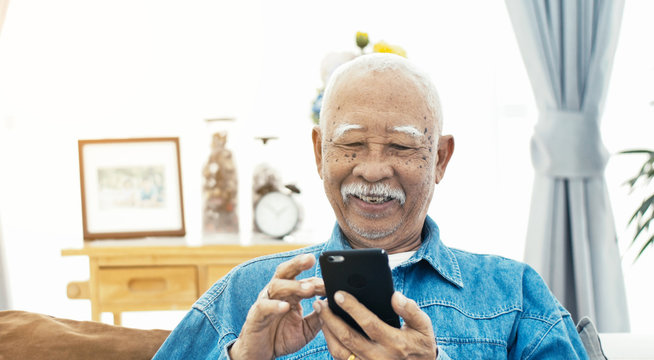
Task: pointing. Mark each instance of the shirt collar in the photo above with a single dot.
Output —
(432, 250)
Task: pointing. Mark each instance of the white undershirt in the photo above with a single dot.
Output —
(396, 259)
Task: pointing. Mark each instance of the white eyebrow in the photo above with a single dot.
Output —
(343, 128)
(408, 129)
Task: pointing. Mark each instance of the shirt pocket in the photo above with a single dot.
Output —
(471, 334)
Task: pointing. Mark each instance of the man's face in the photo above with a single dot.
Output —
(379, 159)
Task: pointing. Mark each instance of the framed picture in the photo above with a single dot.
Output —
(131, 188)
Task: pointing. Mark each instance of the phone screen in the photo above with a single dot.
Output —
(365, 274)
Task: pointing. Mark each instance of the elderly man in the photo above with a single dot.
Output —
(380, 152)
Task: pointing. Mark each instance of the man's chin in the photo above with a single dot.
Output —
(370, 233)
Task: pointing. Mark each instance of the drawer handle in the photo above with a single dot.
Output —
(147, 284)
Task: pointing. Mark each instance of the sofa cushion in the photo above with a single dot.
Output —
(590, 339)
(26, 335)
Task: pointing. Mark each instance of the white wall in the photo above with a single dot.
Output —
(629, 124)
(77, 69)
(4, 281)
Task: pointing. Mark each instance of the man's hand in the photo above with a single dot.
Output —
(274, 325)
(415, 340)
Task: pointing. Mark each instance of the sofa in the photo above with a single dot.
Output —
(26, 335)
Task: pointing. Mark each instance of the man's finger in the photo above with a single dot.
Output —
(373, 326)
(336, 348)
(318, 285)
(347, 336)
(292, 268)
(311, 325)
(411, 313)
(265, 311)
(290, 290)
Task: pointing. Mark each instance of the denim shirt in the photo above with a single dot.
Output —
(481, 306)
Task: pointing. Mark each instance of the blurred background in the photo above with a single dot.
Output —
(78, 69)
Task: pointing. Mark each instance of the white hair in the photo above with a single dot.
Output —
(378, 63)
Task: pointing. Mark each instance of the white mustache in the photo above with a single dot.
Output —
(376, 189)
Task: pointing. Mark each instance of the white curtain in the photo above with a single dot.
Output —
(568, 48)
(4, 296)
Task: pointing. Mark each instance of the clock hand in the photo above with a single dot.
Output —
(271, 207)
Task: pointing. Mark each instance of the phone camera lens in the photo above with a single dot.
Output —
(335, 258)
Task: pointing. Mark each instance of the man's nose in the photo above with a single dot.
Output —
(373, 168)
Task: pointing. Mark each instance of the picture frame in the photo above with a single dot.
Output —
(131, 188)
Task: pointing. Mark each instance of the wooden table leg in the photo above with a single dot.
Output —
(118, 320)
(95, 313)
(94, 291)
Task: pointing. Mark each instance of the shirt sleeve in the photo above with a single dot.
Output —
(560, 341)
(545, 329)
(195, 338)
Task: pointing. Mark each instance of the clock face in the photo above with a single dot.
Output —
(276, 214)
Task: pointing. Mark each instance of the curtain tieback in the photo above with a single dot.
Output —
(568, 144)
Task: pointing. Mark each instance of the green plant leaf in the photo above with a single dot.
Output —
(646, 169)
(647, 243)
(638, 151)
(646, 173)
(643, 208)
(643, 178)
(642, 227)
(631, 182)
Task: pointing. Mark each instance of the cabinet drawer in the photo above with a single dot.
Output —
(163, 285)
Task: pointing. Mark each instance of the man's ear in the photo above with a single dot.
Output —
(445, 150)
(316, 135)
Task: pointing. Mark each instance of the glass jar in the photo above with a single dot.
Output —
(220, 181)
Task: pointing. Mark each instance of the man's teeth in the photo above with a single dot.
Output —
(374, 199)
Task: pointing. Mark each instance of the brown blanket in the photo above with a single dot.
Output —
(25, 336)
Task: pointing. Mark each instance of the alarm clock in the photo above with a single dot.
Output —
(276, 214)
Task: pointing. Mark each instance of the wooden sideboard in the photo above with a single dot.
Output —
(156, 277)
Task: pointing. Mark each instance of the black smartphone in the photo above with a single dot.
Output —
(365, 274)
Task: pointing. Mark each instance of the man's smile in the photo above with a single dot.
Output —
(374, 199)
(373, 206)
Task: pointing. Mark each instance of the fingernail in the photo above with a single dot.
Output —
(307, 257)
(339, 298)
(316, 307)
(402, 299)
(305, 286)
(282, 305)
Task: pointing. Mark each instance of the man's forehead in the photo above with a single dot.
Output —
(394, 106)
